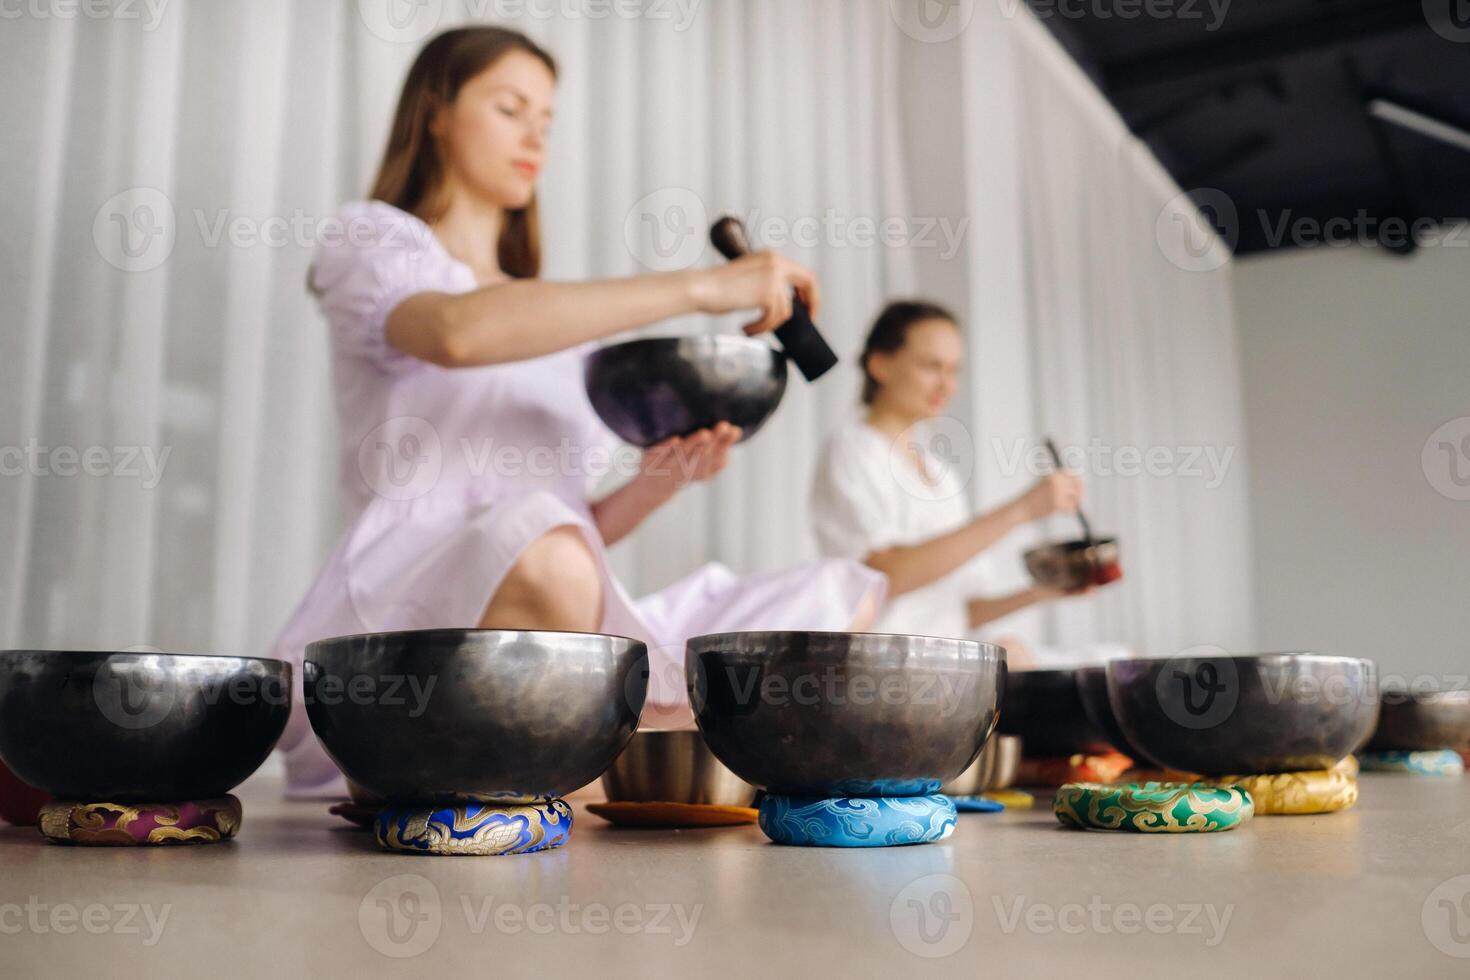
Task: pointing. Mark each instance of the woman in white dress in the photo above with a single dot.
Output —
(886, 498)
(468, 445)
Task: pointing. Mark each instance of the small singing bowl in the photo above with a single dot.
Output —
(1045, 709)
(1274, 712)
(673, 767)
(649, 390)
(844, 714)
(1092, 688)
(995, 769)
(1074, 565)
(138, 726)
(1422, 721)
(429, 716)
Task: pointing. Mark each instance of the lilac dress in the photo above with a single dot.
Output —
(447, 474)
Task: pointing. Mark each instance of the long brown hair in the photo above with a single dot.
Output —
(411, 176)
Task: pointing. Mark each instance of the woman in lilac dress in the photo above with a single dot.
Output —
(468, 446)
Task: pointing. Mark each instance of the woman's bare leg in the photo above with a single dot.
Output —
(555, 584)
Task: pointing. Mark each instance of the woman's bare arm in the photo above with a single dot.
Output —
(525, 318)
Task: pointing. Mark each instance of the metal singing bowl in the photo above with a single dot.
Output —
(1092, 688)
(673, 767)
(995, 769)
(1421, 721)
(434, 715)
(138, 727)
(1045, 709)
(844, 714)
(1273, 712)
(649, 390)
(1070, 565)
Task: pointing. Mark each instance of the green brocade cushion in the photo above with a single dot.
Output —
(1152, 808)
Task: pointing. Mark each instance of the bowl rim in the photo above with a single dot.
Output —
(1275, 657)
(699, 339)
(147, 653)
(979, 645)
(457, 631)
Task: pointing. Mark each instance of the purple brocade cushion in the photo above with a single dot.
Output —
(124, 824)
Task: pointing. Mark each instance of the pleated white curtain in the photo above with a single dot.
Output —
(165, 402)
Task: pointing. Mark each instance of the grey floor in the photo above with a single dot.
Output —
(1382, 890)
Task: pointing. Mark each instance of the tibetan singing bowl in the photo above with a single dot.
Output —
(1274, 712)
(136, 726)
(1073, 565)
(1422, 721)
(649, 390)
(673, 767)
(1092, 688)
(439, 715)
(1045, 709)
(995, 769)
(844, 714)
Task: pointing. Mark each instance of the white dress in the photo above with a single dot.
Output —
(868, 495)
(447, 474)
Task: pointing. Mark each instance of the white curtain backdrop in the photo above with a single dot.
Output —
(164, 401)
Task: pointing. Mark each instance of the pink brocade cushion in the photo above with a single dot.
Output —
(189, 822)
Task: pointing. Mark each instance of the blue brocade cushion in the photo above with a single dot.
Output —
(1444, 762)
(848, 822)
(475, 828)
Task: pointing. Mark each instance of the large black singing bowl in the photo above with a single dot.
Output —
(446, 714)
(1422, 721)
(1045, 709)
(648, 390)
(1275, 712)
(1092, 688)
(138, 727)
(844, 714)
